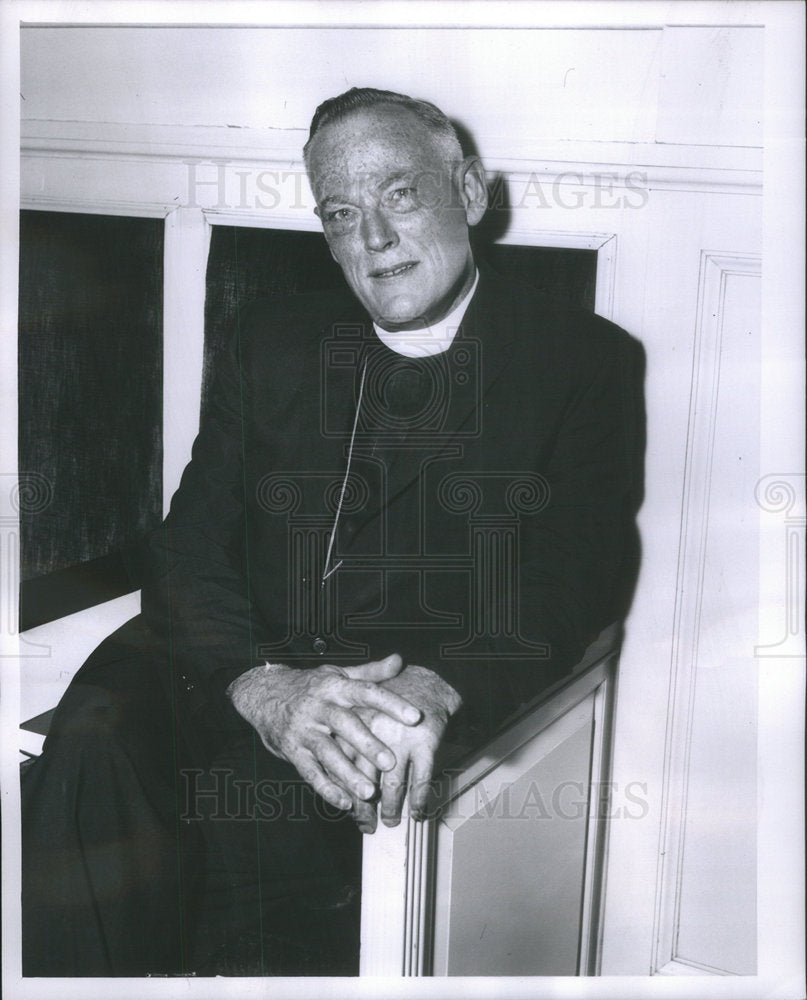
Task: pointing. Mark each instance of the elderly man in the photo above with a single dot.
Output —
(408, 511)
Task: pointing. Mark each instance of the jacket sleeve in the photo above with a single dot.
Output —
(195, 594)
(577, 554)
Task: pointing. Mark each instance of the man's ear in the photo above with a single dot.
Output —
(473, 188)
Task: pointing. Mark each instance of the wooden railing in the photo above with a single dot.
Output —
(506, 875)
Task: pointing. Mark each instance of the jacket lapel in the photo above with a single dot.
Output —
(485, 338)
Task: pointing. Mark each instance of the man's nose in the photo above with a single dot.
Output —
(377, 232)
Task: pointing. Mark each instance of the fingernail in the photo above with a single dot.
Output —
(343, 802)
(411, 715)
(390, 820)
(385, 760)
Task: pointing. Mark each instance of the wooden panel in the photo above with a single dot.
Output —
(679, 226)
(717, 918)
(707, 888)
(434, 890)
(510, 861)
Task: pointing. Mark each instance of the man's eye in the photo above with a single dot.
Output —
(403, 197)
(338, 215)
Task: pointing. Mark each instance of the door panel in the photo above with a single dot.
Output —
(511, 860)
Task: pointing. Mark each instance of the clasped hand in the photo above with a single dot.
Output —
(352, 732)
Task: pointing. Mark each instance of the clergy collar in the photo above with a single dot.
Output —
(428, 340)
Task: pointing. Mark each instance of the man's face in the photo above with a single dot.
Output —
(395, 215)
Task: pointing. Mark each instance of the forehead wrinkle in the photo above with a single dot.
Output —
(375, 186)
(394, 178)
(368, 139)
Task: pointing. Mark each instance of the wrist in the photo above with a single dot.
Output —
(251, 694)
(243, 689)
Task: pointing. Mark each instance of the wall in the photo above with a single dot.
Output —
(631, 85)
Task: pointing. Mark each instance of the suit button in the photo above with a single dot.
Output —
(319, 645)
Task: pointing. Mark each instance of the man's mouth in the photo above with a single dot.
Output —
(395, 272)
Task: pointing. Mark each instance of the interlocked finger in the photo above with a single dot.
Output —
(310, 771)
(366, 694)
(393, 789)
(349, 728)
(363, 812)
(366, 813)
(420, 782)
(343, 771)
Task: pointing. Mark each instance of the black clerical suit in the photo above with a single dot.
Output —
(472, 511)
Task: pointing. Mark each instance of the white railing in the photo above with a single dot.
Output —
(506, 877)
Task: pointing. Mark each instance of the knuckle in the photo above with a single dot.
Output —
(327, 684)
(305, 704)
(340, 715)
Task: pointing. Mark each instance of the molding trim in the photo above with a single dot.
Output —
(678, 968)
(595, 870)
(531, 15)
(734, 169)
(394, 916)
(98, 206)
(185, 253)
(714, 270)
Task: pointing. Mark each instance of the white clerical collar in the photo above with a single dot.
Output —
(428, 340)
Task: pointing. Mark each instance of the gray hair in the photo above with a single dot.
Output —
(358, 98)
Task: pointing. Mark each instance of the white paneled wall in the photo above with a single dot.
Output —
(679, 85)
(518, 91)
(707, 886)
(163, 76)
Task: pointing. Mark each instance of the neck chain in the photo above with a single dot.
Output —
(326, 571)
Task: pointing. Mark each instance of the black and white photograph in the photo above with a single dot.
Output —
(402, 499)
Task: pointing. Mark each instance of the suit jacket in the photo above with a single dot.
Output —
(485, 528)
